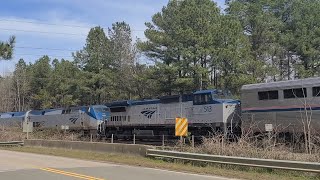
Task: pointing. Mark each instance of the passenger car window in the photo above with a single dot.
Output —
(316, 91)
(295, 93)
(263, 95)
(268, 95)
(273, 94)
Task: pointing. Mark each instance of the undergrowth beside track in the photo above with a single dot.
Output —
(211, 169)
(243, 148)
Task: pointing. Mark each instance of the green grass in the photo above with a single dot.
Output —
(211, 169)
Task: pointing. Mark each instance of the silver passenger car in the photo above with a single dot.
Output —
(283, 106)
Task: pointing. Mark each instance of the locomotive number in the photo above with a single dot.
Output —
(207, 109)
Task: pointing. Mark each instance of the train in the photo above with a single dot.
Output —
(88, 119)
(207, 111)
(283, 106)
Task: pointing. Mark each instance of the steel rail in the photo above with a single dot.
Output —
(242, 161)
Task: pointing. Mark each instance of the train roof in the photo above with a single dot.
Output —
(162, 99)
(283, 84)
(206, 91)
(119, 103)
(96, 106)
(132, 102)
(148, 101)
(46, 111)
(165, 99)
(12, 114)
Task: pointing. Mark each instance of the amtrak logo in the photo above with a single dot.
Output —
(148, 113)
(73, 120)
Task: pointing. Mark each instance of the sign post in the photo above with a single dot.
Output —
(269, 129)
(65, 128)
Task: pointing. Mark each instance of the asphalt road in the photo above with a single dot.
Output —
(25, 166)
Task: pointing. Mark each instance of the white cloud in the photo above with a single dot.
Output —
(30, 27)
(102, 6)
(30, 33)
(132, 6)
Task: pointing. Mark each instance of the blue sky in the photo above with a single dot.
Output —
(67, 23)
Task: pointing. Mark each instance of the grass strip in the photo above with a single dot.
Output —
(230, 171)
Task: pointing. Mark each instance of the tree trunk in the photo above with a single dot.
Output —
(288, 65)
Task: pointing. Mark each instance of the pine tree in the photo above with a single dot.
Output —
(6, 48)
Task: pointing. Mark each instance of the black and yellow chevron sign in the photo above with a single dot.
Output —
(181, 126)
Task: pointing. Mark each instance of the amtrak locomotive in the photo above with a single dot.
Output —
(205, 110)
(88, 119)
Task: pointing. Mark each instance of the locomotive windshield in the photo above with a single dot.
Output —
(100, 112)
(208, 96)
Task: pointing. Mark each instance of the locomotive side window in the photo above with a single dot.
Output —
(197, 99)
(118, 109)
(66, 111)
(268, 95)
(316, 91)
(295, 93)
(202, 99)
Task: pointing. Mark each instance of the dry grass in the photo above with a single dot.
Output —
(211, 169)
(246, 148)
(13, 134)
(53, 134)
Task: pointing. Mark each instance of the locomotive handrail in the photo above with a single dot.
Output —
(242, 161)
